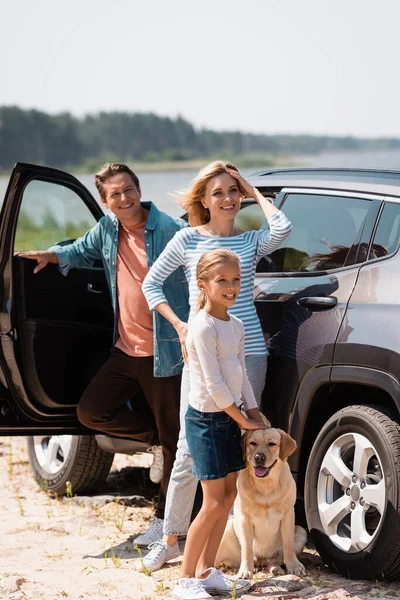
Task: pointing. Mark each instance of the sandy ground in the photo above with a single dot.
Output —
(82, 547)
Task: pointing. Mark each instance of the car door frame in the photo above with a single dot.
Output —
(17, 414)
(320, 376)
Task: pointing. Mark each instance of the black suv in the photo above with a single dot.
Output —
(328, 304)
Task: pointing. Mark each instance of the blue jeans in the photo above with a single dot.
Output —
(183, 484)
(214, 441)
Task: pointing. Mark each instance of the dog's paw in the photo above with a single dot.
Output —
(245, 572)
(295, 567)
(276, 571)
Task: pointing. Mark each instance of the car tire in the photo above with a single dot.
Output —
(352, 493)
(77, 459)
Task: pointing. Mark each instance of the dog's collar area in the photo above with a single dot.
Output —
(263, 471)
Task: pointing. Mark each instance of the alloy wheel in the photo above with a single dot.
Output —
(52, 451)
(351, 492)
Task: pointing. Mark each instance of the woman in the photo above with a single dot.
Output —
(212, 203)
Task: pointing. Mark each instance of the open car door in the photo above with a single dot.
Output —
(55, 330)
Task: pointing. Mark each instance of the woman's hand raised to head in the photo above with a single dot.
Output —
(248, 190)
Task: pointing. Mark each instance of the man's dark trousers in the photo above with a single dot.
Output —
(103, 407)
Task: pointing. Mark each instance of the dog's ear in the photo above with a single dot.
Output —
(243, 443)
(266, 421)
(288, 445)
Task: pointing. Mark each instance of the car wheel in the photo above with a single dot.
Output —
(58, 459)
(352, 493)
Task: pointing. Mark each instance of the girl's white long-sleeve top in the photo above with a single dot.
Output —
(218, 376)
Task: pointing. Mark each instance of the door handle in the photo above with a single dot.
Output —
(318, 302)
(92, 290)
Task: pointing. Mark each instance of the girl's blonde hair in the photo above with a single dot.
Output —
(208, 261)
(190, 199)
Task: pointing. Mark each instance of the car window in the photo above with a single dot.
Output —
(251, 217)
(387, 235)
(50, 213)
(325, 229)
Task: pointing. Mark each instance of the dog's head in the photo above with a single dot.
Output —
(263, 448)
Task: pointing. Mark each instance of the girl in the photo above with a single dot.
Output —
(212, 203)
(218, 387)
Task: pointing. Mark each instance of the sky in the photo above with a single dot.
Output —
(262, 66)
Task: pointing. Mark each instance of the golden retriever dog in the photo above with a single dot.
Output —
(262, 531)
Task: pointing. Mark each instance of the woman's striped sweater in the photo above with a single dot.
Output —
(188, 245)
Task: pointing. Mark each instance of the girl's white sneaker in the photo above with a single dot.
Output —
(218, 583)
(190, 589)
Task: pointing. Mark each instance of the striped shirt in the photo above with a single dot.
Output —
(186, 248)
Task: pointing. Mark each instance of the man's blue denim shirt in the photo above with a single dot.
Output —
(101, 242)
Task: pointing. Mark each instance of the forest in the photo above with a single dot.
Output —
(66, 141)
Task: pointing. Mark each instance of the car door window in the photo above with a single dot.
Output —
(251, 217)
(50, 213)
(387, 235)
(325, 230)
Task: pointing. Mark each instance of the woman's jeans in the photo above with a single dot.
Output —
(183, 484)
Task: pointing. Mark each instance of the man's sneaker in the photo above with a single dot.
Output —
(190, 589)
(152, 534)
(157, 466)
(160, 553)
(218, 583)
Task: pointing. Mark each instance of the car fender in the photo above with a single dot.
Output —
(324, 375)
(313, 380)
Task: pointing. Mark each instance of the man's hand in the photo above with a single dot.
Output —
(42, 257)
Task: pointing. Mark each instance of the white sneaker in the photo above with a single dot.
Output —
(160, 553)
(157, 466)
(190, 589)
(152, 534)
(218, 583)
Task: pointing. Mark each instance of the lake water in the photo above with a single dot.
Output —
(159, 187)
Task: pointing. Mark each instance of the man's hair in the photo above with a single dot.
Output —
(109, 170)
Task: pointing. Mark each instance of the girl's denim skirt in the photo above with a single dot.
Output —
(214, 443)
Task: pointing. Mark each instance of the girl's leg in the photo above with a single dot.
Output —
(200, 531)
(207, 557)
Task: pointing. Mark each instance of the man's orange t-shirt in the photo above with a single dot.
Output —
(135, 320)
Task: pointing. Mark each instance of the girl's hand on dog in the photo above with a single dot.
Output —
(250, 425)
(243, 422)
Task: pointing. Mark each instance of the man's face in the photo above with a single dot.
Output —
(122, 197)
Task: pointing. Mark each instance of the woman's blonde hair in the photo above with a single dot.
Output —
(208, 261)
(190, 199)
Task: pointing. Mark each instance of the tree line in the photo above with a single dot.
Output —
(65, 140)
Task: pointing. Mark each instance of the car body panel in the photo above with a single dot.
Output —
(369, 337)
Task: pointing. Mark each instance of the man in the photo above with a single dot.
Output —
(146, 355)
